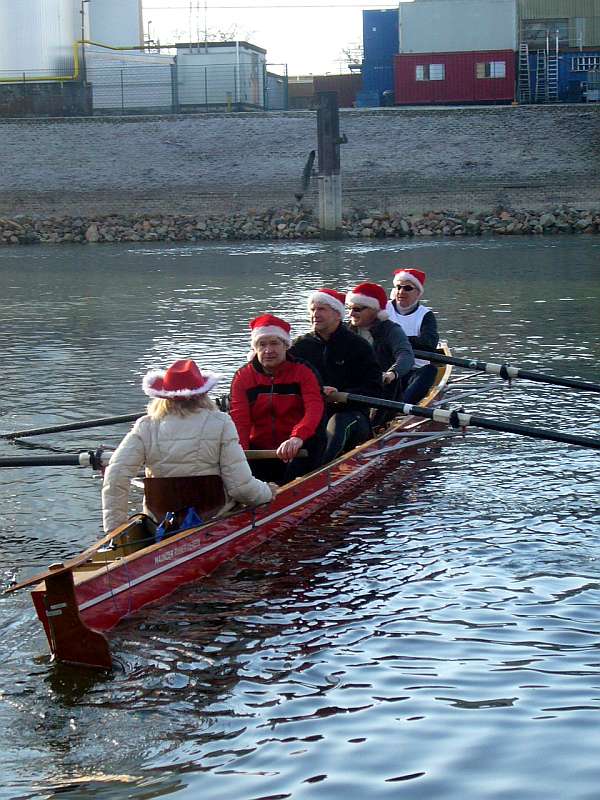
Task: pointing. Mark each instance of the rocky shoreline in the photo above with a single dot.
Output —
(296, 223)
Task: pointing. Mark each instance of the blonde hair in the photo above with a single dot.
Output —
(161, 407)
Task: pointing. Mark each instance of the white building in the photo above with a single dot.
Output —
(222, 74)
(455, 26)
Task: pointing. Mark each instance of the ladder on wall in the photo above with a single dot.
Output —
(524, 87)
(552, 73)
(546, 74)
(541, 72)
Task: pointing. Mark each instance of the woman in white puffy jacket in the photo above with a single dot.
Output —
(182, 435)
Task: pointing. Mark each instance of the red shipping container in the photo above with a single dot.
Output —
(482, 76)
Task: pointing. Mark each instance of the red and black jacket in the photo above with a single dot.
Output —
(268, 409)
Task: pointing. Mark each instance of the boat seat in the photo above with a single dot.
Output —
(204, 493)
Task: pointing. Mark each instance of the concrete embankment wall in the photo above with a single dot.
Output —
(410, 160)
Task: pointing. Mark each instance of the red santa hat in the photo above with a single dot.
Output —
(337, 300)
(371, 295)
(183, 379)
(415, 276)
(269, 325)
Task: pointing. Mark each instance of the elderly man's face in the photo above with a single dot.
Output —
(323, 318)
(406, 294)
(270, 351)
(362, 316)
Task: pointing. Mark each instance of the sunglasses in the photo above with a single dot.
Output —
(405, 288)
(357, 309)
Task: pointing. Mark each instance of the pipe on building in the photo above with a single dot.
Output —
(76, 67)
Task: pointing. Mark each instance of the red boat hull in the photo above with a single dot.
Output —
(110, 594)
(101, 596)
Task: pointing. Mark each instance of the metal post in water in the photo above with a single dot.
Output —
(175, 87)
(329, 178)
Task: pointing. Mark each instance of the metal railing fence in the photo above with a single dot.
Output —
(168, 88)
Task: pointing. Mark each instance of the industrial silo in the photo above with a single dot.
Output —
(37, 36)
(117, 23)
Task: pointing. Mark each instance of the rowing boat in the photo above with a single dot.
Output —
(78, 600)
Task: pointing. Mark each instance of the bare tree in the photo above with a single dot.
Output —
(352, 56)
(233, 33)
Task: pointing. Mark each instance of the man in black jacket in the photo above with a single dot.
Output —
(369, 319)
(346, 363)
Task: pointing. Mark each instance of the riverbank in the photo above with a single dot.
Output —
(298, 223)
(405, 161)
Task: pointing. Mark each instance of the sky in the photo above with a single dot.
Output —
(307, 35)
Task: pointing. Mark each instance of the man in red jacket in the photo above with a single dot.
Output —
(277, 404)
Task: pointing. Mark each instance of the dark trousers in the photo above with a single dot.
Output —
(391, 391)
(418, 382)
(276, 470)
(345, 430)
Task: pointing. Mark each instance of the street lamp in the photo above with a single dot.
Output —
(83, 66)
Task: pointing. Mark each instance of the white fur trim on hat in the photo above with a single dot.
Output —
(270, 330)
(212, 378)
(408, 276)
(365, 300)
(322, 297)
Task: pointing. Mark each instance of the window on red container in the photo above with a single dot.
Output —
(490, 69)
(430, 72)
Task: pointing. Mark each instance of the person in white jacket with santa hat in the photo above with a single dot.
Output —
(419, 323)
(183, 434)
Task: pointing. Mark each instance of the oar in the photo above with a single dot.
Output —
(98, 458)
(73, 426)
(460, 419)
(507, 372)
(88, 458)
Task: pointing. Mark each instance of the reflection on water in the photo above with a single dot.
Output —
(436, 636)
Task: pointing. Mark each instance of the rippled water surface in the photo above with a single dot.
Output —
(436, 637)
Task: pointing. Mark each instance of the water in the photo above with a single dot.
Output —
(436, 637)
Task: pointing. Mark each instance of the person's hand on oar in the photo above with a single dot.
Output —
(289, 449)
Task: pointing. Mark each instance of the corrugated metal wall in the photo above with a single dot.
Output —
(458, 78)
(541, 9)
(36, 37)
(225, 74)
(583, 16)
(126, 82)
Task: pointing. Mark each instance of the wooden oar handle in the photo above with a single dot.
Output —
(258, 455)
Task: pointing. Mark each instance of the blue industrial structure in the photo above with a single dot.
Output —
(550, 74)
(564, 76)
(380, 45)
(577, 75)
